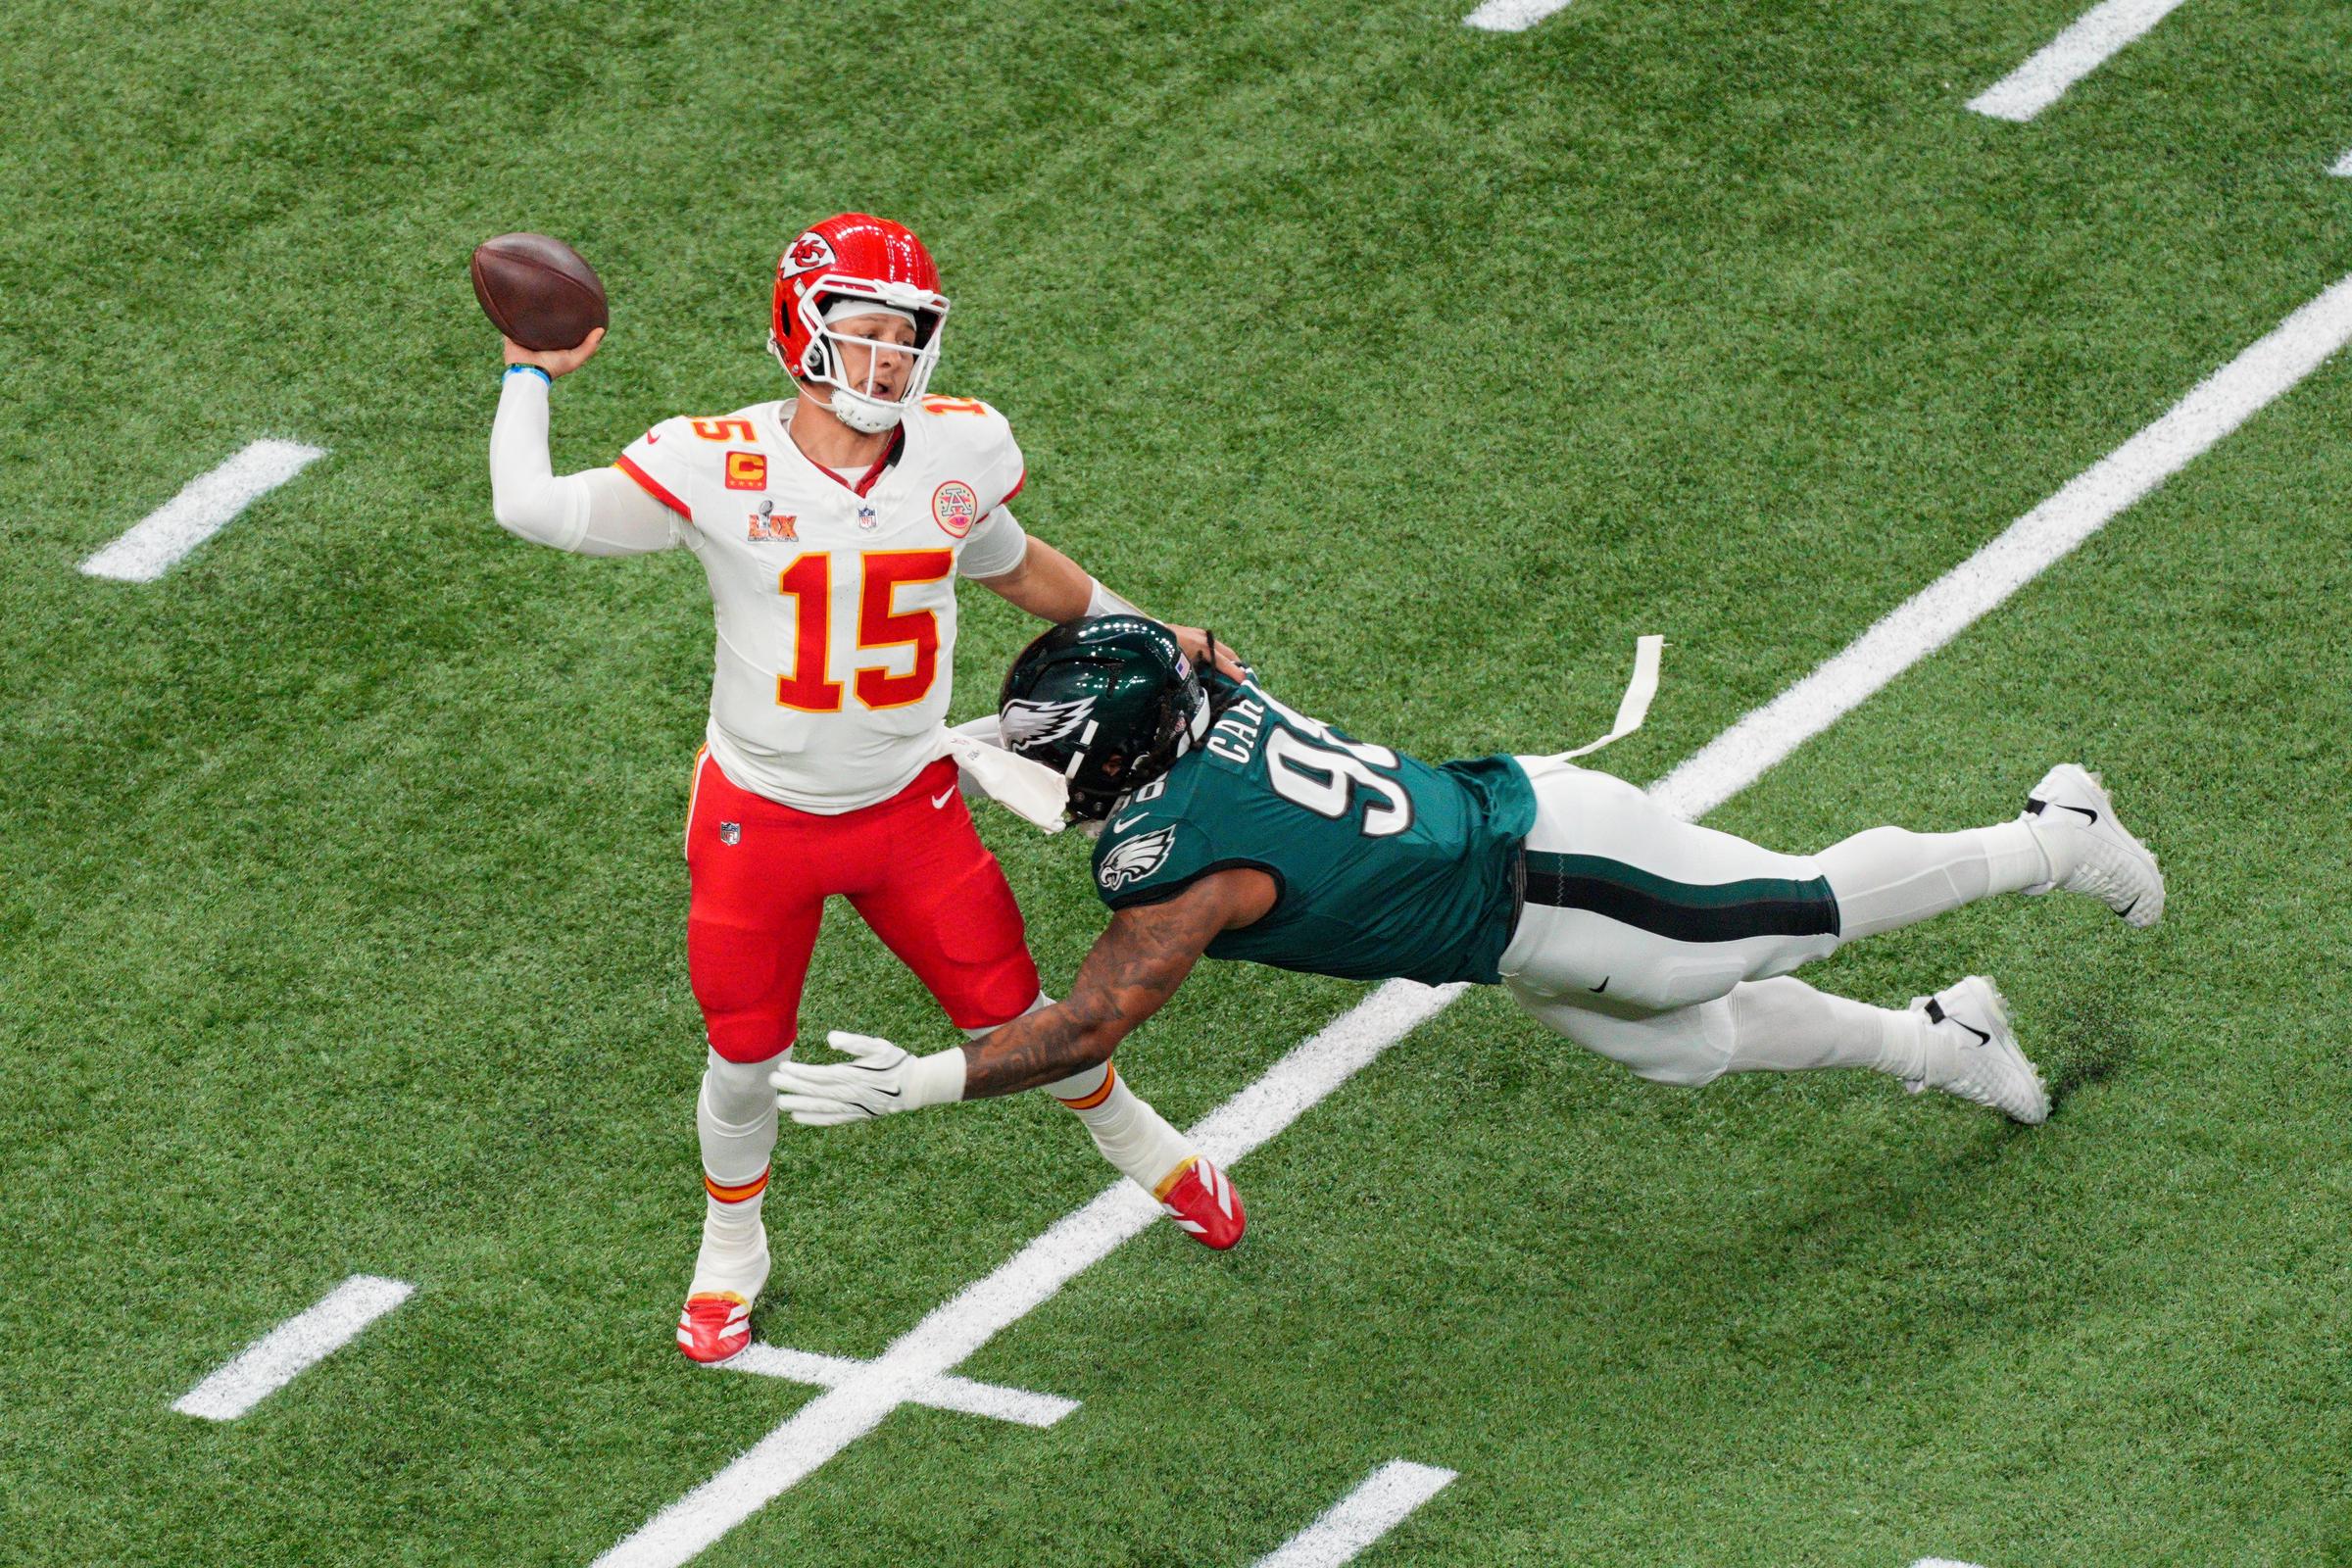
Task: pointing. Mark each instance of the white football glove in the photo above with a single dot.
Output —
(881, 1080)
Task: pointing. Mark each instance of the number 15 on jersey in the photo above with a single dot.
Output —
(811, 685)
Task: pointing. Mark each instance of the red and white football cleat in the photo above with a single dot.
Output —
(714, 1327)
(1200, 1199)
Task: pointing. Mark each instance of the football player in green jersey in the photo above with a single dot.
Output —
(1235, 827)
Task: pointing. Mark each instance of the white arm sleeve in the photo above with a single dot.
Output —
(997, 546)
(1102, 602)
(601, 511)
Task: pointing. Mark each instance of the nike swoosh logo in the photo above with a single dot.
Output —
(1936, 1014)
(863, 1068)
(941, 799)
(2040, 807)
(1126, 822)
(652, 436)
(1603, 986)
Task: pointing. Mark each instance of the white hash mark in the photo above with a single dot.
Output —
(942, 1393)
(1511, 16)
(1373, 1508)
(2070, 57)
(208, 504)
(301, 1342)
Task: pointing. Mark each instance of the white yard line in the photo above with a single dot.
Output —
(208, 504)
(1361, 1517)
(2343, 166)
(283, 1355)
(942, 1393)
(2070, 57)
(1941, 1562)
(1511, 16)
(2026, 548)
(848, 1411)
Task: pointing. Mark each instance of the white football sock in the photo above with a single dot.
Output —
(1890, 877)
(1128, 1132)
(735, 1115)
(1131, 1134)
(1784, 1025)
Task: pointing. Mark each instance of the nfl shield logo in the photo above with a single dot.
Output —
(730, 832)
(867, 521)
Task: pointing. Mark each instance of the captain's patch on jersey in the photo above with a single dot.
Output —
(956, 506)
(746, 470)
(1135, 860)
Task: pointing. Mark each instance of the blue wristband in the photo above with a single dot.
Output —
(534, 369)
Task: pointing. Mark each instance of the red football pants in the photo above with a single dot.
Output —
(911, 866)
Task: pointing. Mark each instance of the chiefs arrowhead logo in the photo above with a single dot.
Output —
(807, 253)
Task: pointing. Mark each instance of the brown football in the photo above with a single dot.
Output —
(538, 290)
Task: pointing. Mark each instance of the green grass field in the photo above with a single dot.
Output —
(340, 886)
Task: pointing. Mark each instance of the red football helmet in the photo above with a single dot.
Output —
(854, 256)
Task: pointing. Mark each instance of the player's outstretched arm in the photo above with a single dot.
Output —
(1132, 970)
(596, 512)
(1053, 587)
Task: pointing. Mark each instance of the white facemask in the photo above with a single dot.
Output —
(856, 404)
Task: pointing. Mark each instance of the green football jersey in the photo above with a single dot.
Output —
(1386, 867)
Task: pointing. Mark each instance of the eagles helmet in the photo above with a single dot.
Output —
(1108, 702)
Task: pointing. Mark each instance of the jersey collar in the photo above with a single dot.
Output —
(864, 481)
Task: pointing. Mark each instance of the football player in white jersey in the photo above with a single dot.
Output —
(832, 526)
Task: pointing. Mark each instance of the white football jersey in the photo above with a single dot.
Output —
(835, 598)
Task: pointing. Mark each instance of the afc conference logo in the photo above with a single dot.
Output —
(746, 470)
(956, 506)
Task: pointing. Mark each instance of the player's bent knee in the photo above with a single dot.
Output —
(738, 1092)
(1037, 1004)
(749, 1039)
(980, 997)
(1687, 1047)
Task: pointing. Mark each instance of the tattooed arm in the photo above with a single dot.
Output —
(1135, 966)
(1133, 969)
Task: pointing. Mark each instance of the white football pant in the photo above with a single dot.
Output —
(1656, 942)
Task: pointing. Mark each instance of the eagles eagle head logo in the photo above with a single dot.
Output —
(1024, 723)
(1135, 859)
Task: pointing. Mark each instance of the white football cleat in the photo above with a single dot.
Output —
(1973, 1054)
(2074, 823)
